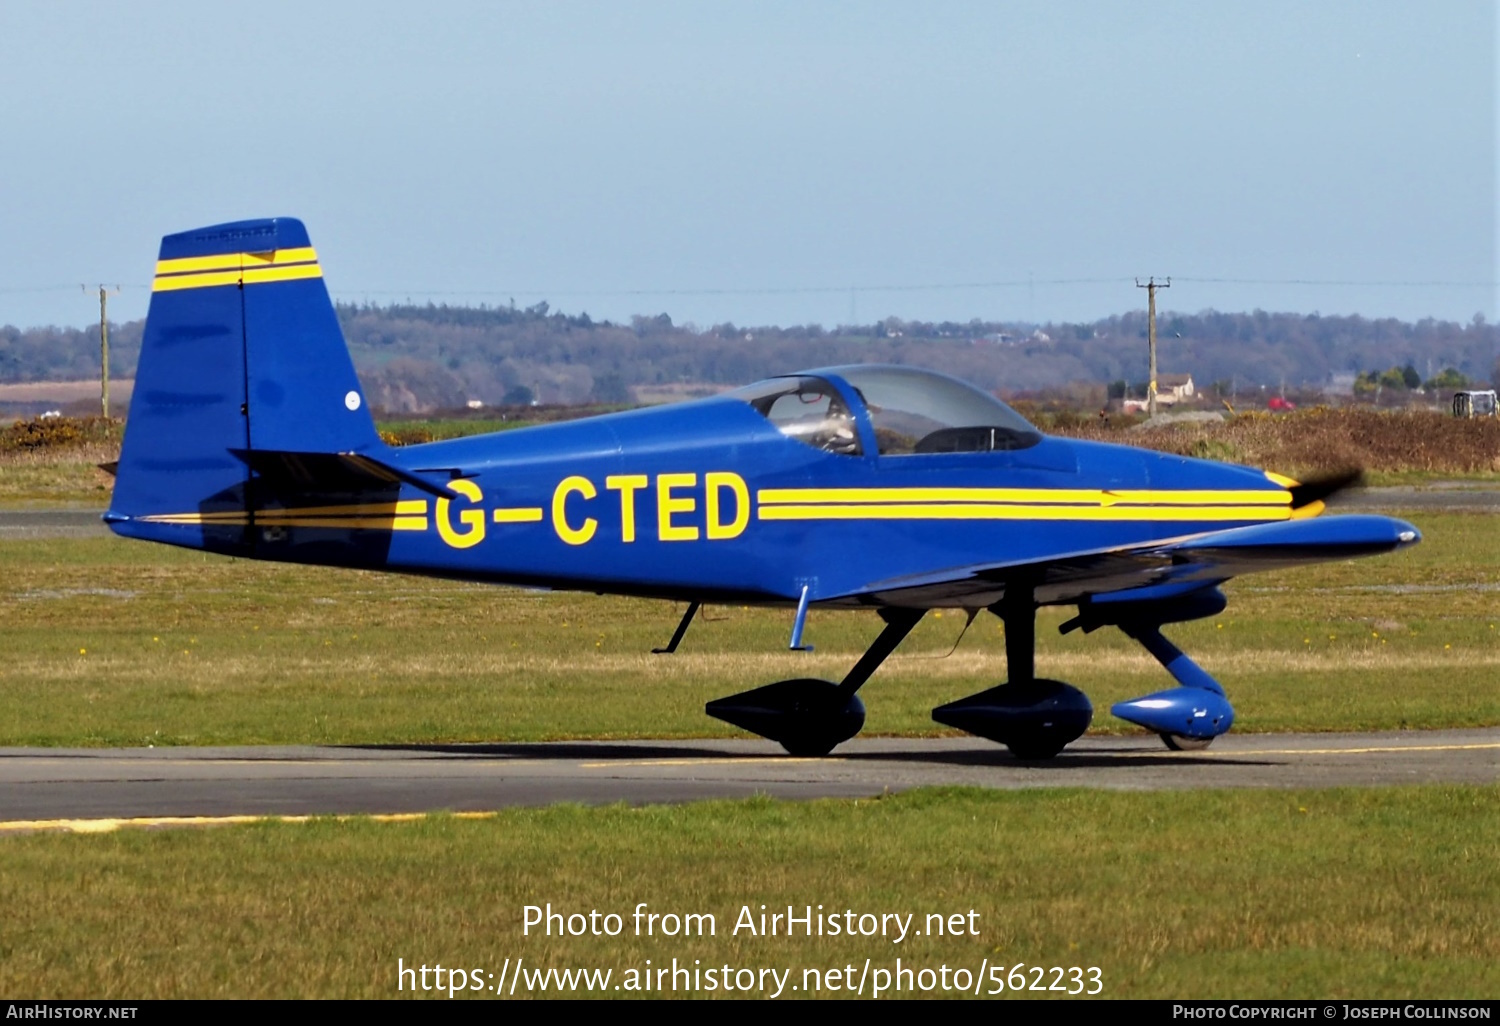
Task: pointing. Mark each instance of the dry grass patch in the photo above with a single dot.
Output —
(1324, 440)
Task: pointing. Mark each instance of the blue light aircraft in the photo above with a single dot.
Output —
(884, 488)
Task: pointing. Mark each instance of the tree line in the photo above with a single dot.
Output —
(413, 358)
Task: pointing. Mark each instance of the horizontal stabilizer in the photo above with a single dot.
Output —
(304, 473)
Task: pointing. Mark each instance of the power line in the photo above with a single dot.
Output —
(9, 290)
(853, 290)
(1013, 283)
(758, 291)
(1321, 282)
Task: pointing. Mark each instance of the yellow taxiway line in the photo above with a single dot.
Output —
(105, 826)
(109, 825)
(1354, 751)
(726, 760)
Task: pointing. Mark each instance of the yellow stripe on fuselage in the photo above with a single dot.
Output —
(405, 506)
(359, 523)
(238, 516)
(1025, 496)
(1022, 504)
(1017, 511)
(405, 515)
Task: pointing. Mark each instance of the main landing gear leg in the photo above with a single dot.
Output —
(1032, 717)
(807, 716)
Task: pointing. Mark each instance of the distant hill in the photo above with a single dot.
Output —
(415, 358)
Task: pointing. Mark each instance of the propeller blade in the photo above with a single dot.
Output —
(1318, 489)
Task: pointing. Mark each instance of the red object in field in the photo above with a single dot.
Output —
(1280, 405)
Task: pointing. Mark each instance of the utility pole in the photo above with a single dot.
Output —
(1151, 286)
(103, 346)
(104, 351)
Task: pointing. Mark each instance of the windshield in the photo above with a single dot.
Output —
(917, 411)
(807, 409)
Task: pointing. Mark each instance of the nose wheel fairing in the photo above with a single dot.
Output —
(1198, 711)
(1037, 718)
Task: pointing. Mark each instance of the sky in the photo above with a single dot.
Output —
(767, 162)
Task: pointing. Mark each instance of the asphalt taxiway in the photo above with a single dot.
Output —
(46, 785)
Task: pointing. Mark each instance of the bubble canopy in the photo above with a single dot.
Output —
(914, 412)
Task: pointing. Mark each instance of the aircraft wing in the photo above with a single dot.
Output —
(1192, 560)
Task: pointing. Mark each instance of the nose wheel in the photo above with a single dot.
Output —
(1183, 743)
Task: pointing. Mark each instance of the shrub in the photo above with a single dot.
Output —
(43, 433)
(407, 435)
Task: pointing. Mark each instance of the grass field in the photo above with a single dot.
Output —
(110, 642)
(68, 480)
(1350, 893)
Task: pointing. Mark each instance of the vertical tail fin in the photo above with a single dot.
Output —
(242, 353)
